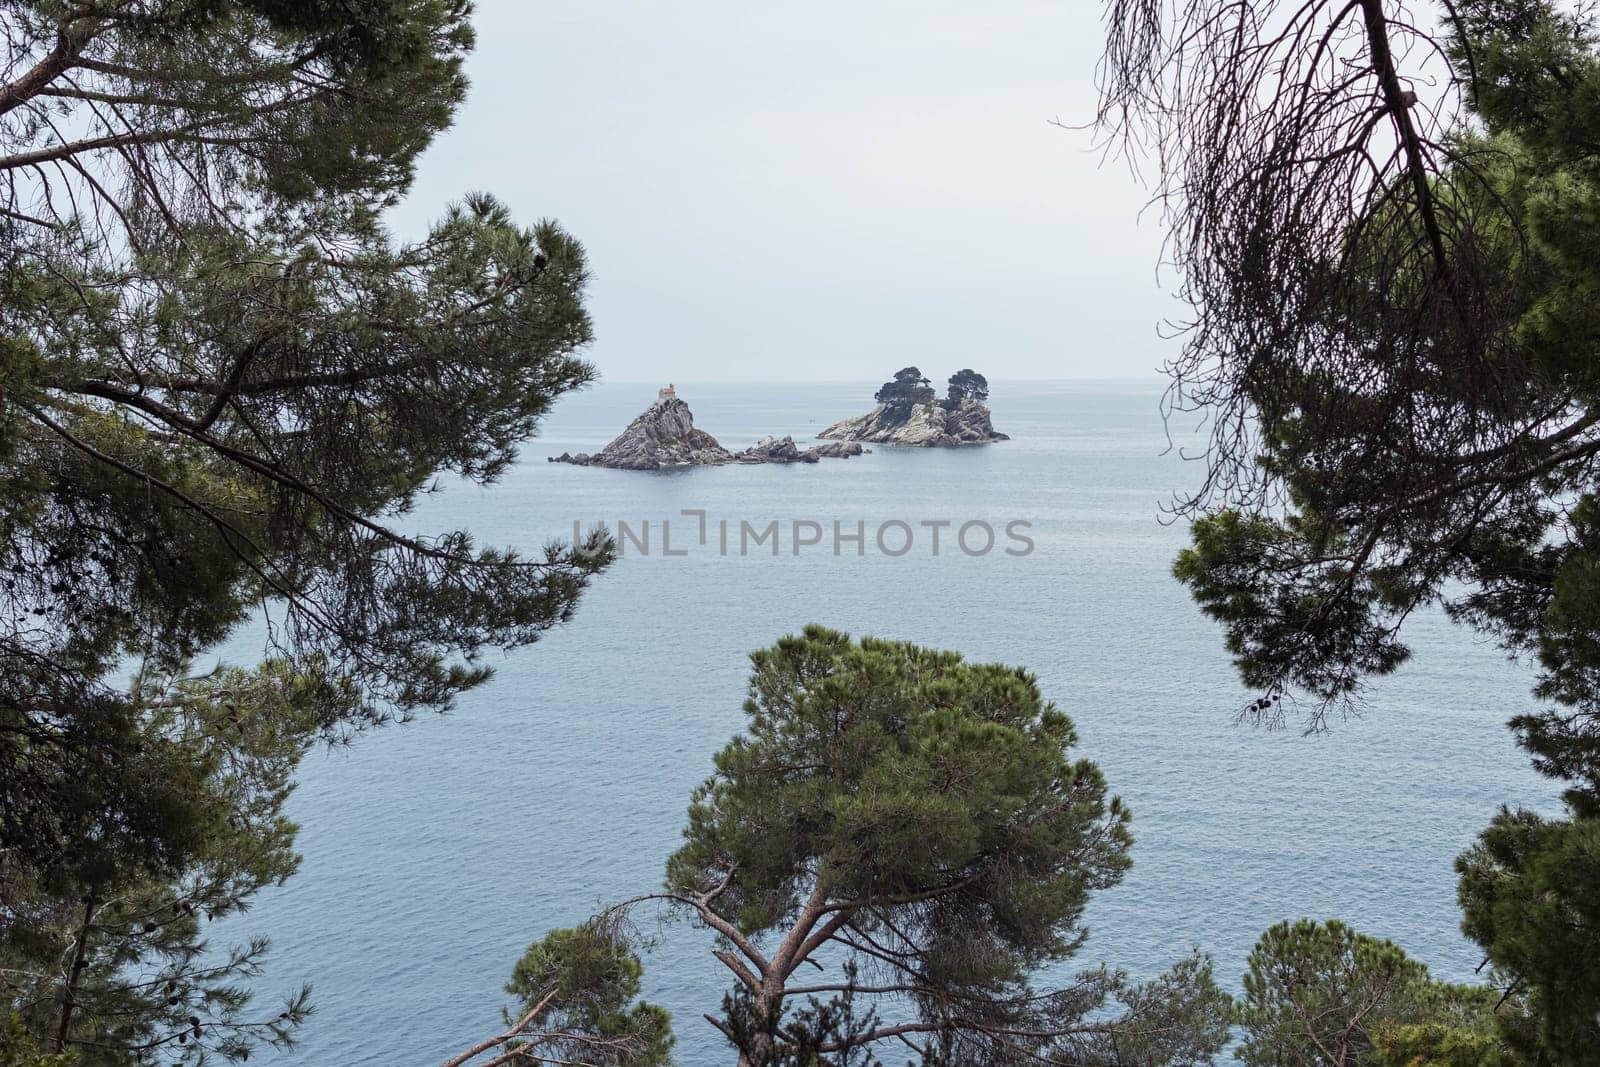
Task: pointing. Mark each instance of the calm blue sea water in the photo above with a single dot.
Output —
(436, 851)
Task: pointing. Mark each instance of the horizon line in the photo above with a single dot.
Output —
(1141, 380)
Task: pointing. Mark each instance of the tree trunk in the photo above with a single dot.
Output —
(69, 995)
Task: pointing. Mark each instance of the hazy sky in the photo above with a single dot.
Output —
(820, 191)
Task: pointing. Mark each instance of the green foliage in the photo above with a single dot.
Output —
(577, 991)
(223, 384)
(966, 385)
(1438, 1045)
(1488, 506)
(19, 1049)
(1322, 995)
(879, 770)
(907, 390)
(900, 812)
(886, 856)
(1420, 421)
(324, 98)
(1530, 893)
(1180, 1017)
(139, 975)
(1316, 632)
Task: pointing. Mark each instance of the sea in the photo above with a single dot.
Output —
(435, 851)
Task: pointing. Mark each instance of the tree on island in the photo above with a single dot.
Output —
(1395, 335)
(907, 390)
(966, 385)
(899, 841)
(221, 384)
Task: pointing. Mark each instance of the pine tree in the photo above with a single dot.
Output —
(577, 1002)
(966, 385)
(907, 390)
(111, 961)
(222, 383)
(1322, 995)
(899, 841)
(1397, 338)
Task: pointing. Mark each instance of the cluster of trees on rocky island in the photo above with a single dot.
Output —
(220, 377)
(909, 413)
(908, 388)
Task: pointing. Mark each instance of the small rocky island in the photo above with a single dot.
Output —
(910, 413)
(665, 436)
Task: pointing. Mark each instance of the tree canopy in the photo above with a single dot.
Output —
(967, 385)
(906, 390)
(115, 965)
(223, 384)
(1322, 995)
(893, 849)
(577, 1002)
(1395, 334)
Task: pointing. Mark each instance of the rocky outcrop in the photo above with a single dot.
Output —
(928, 425)
(665, 436)
(839, 450)
(776, 450)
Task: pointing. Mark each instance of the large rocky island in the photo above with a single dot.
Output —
(909, 413)
(665, 436)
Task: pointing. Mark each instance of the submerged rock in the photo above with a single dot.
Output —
(664, 435)
(839, 450)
